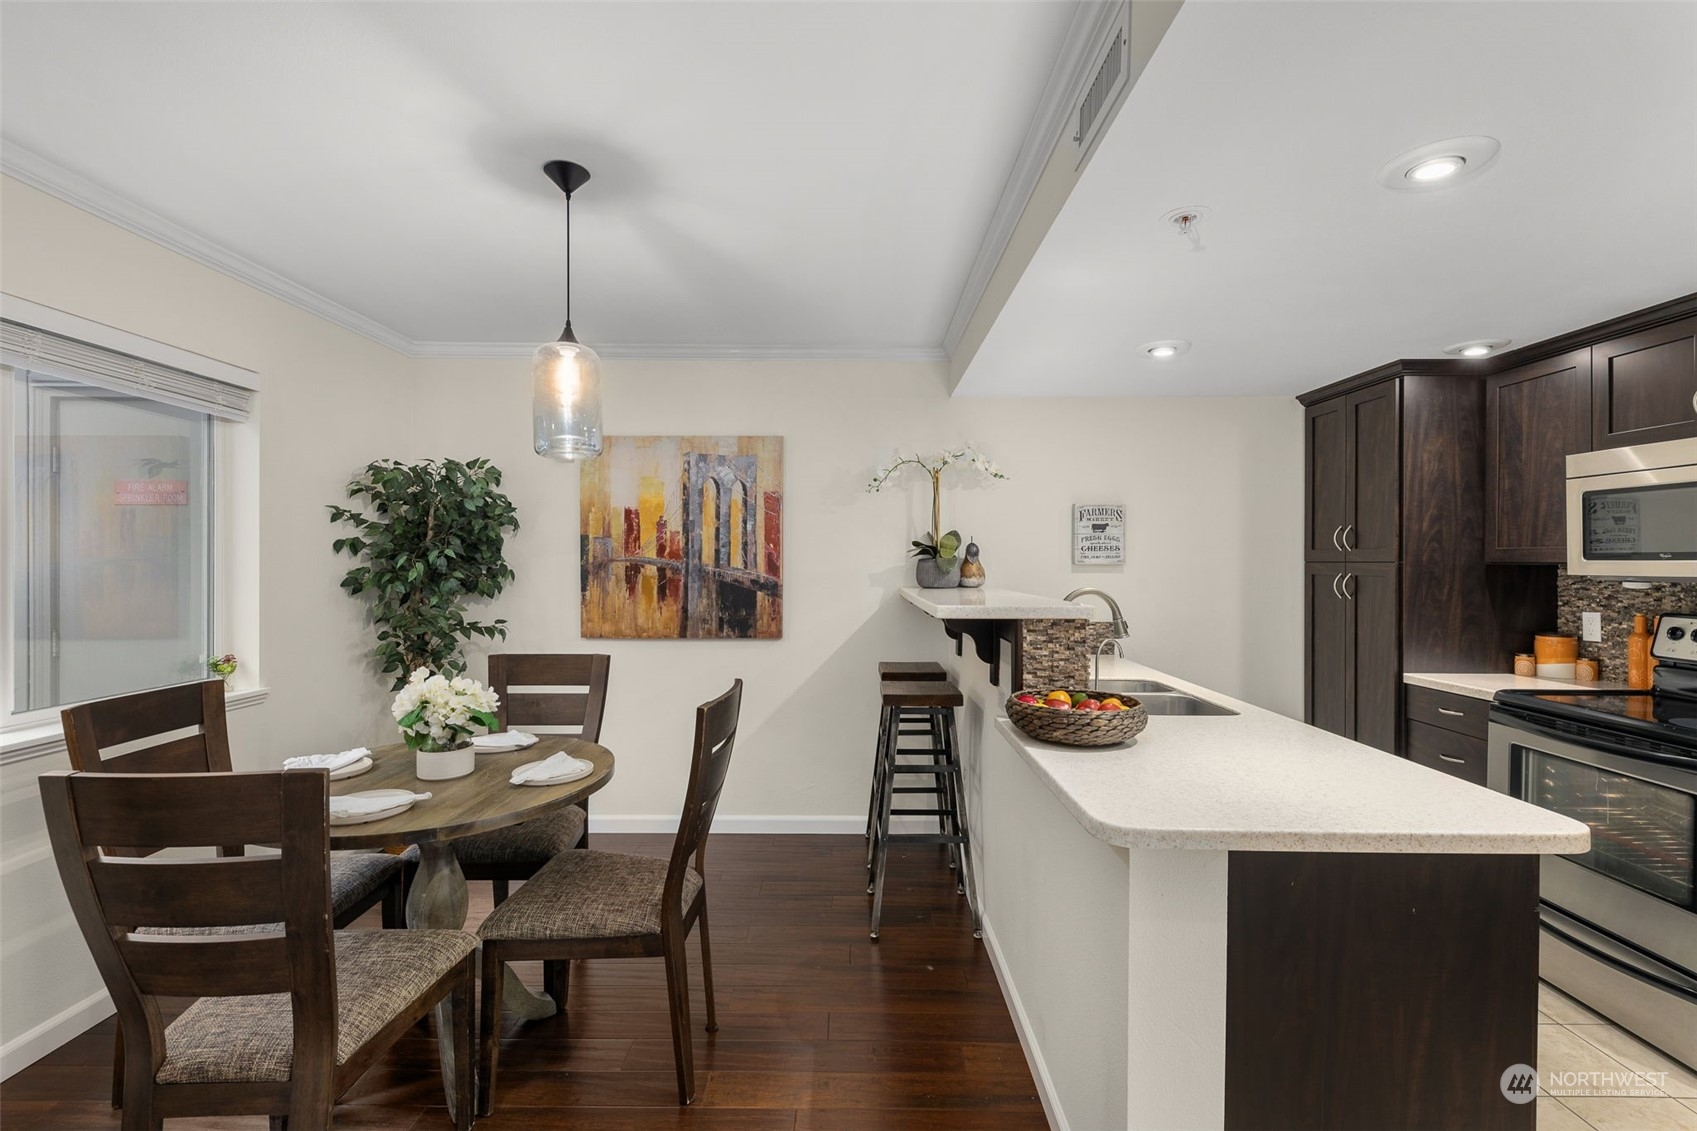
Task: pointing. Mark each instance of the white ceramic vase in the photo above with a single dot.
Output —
(440, 765)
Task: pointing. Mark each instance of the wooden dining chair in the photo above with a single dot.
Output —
(181, 729)
(612, 905)
(517, 852)
(290, 1012)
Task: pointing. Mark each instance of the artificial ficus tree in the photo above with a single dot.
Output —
(429, 539)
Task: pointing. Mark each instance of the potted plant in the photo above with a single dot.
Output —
(432, 543)
(437, 716)
(938, 565)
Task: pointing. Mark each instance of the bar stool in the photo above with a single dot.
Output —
(921, 708)
(888, 670)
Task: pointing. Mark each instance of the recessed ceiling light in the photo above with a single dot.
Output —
(1483, 347)
(1437, 169)
(1440, 164)
(1163, 350)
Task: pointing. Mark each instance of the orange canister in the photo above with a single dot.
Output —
(1556, 655)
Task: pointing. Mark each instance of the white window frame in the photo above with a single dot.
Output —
(235, 526)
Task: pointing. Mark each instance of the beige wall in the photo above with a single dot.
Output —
(1211, 586)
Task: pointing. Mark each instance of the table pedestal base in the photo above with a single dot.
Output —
(439, 901)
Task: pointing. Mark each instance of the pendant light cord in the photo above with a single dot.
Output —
(568, 260)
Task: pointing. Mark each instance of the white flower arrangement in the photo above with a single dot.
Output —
(438, 713)
(937, 543)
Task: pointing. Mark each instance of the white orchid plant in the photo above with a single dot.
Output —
(438, 713)
(941, 547)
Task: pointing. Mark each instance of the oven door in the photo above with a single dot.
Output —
(1640, 523)
(1638, 881)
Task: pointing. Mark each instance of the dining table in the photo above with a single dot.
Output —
(479, 802)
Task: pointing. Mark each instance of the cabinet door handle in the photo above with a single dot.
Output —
(1336, 577)
(1456, 714)
(1457, 761)
(1347, 531)
(1694, 402)
(1337, 545)
(1349, 594)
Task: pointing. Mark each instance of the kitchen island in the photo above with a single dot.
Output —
(1242, 921)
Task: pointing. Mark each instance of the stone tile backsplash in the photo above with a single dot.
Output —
(1575, 595)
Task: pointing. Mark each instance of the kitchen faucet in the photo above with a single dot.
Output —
(1117, 627)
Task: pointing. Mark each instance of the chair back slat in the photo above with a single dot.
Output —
(207, 965)
(509, 671)
(93, 727)
(715, 738)
(186, 755)
(230, 891)
(173, 810)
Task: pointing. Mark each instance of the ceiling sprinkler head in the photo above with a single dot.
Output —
(1186, 221)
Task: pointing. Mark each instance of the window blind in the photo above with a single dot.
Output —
(27, 347)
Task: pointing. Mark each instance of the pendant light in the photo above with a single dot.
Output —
(566, 374)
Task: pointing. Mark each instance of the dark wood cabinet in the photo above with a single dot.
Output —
(1644, 386)
(1447, 732)
(1375, 441)
(1328, 479)
(1353, 476)
(1354, 662)
(1536, 416)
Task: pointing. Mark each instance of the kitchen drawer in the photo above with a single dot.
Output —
(1460, 713)
(1455, 754)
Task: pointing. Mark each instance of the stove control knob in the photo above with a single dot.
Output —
(1675, 632)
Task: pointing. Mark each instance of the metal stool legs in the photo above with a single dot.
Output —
(941, 764)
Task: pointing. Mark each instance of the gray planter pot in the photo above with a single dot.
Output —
(930, 575)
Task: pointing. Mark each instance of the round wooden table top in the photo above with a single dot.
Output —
(482, 800)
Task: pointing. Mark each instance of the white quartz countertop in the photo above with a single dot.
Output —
(1485, 685)
(1258, 781)
(991, 604)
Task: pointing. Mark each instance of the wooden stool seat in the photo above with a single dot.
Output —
(920, 693)
(911, 670)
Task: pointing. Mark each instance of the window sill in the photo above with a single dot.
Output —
(41, 741)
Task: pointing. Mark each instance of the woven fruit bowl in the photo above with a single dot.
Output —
(1071, 727)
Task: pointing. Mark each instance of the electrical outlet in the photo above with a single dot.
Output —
(1591, 627)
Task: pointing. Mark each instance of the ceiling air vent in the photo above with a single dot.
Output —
(1100, 97)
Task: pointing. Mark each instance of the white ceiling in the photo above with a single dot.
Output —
(1277, 117)
(814, 174)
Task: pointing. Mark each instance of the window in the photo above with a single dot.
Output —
(112, 515)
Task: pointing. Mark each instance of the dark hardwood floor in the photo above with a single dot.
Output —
(820, 1028)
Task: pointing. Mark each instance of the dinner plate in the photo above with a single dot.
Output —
(352, 769)
(403, 799)
(561, 779)
(488, 744)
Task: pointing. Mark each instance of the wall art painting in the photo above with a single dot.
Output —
(682, 538)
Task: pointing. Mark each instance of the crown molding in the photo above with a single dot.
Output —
(74, 189)
(56, 181)
(617, 351)
(1074, 70)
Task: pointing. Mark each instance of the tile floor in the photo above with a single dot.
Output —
(1573, 1039)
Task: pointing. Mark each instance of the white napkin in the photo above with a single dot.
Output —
(359, 806)
(504, 738)
(326, 761)
(560, 765)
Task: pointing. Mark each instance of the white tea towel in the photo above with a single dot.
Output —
(559, 766)
(326, 761)
(355, 805)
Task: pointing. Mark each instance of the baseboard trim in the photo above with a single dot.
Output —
(817, 826)
(1027, 1040)
(25, 1049)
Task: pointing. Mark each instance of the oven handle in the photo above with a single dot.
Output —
(1610, 959)
(1513, 719)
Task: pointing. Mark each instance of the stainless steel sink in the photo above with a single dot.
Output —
(1130, 686)
(1178, 703)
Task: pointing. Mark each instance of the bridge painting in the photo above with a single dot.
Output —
(682, 538)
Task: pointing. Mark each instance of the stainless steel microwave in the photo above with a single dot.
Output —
(1632, 512)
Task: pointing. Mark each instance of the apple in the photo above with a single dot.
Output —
(1112, 705)
(1090, 705)
(1025, 697)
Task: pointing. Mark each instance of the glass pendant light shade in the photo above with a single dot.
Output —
(566, 399)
